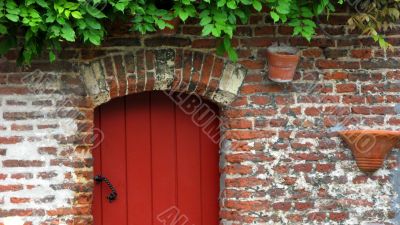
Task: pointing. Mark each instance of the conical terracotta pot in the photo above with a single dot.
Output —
(370, 147)
(171, 31)
(282, 63)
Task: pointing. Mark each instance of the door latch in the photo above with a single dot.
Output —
(113, 195)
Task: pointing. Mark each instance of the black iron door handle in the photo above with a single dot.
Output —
(113, 195)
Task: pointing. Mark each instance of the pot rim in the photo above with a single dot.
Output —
(288, 49)
(390, 132)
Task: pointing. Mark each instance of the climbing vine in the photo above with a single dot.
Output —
(45, 24)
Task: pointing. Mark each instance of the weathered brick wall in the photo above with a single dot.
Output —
(282, 160)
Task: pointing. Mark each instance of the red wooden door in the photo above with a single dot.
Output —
(164, 168)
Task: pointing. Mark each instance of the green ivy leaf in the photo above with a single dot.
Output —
(183, 15)
(205, 20)
(12, 17)
(232, 54)
(76, 15)
(68, 33)
(52, 56)
(229, 49)
(42, 3)
(257, 5)
(274, 16)
(3, 29)
(221, 3)
(306, 12)
(95, 12)
(207, 29)
(283, 7)
(161, 24)
(94, 24)
(231, 4)
(246, 2)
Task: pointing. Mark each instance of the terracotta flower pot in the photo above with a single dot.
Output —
(171, 31)
(282, 63)
(370, 147)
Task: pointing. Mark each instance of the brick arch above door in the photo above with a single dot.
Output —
(188, 71)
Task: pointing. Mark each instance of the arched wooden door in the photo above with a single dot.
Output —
(163, 166)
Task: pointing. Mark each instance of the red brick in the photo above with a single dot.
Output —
(242, 157)
(289, 180)
(22, 115)
(14, 90)
(46, 175)
(10, 140)
(250, 134)
(353, 99)
(313, 111)
(276, 192)
(204, 43)
(264, 30)
(295, 218)
(306, 167)
(253, 78)
(238, 169)
(325, 168)
(244, 182)
(253, 64)
(344, 88)
(336, 76)
(21, 176)
(361, 110)
(256, 42)
(338, 216)
(47, 150)
(317, 216)
(395, 75)
(361, 53)
(16, 200)
(301, 206)
(312, 53)
(260, 100)
(247, 206)
(240, 101)
(334, 64)
(21, 212)
(22, 163)
(17, 127)
(282, 206)
(236, 216)
(218, 68)
(10, 187)
(257, 88)
(240, 124)
(306, 156)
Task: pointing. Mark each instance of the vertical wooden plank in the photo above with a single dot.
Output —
(163, 154)
(210, 173)
(96, 152)
(138, 154)
(114, 160)
(155, 152)
(188, 159)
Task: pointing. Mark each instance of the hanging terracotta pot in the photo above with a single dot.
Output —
(171, 31)
(370, 147)
(282, 63)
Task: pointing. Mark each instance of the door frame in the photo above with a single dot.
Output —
(204, 75)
